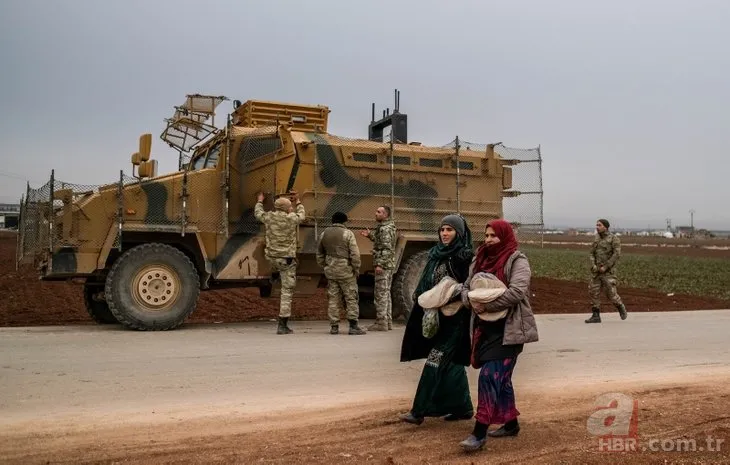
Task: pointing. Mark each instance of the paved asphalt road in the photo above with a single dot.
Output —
(89, 373)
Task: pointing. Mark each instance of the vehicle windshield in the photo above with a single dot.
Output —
(206, 159)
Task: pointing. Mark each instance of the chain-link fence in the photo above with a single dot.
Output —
(522, 202)
(355, 176)
(423, 184)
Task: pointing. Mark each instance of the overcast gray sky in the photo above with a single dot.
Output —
(628, 99)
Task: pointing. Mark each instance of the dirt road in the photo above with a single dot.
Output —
(240, 394)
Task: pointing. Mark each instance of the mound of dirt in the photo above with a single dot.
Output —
(27, 301)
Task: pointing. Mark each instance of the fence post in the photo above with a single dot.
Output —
(314, 188)
(120, 206)
(51, 213)
(392, 176)
(19, 238)
(542, 219)
(184, 196)
(458, 172)
(227, 187)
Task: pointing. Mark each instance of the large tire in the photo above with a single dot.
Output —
(152, 287)
(265, 290)
(367, 308)
(97, 309)
(405, 282)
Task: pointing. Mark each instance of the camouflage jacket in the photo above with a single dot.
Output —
(281, 230)
(337, 252)
(605, 251)
(384, 237)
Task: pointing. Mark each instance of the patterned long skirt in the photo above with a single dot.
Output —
(443, 387)
(496, 395)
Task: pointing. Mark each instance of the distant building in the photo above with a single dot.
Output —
(9, 214)
(684, 231)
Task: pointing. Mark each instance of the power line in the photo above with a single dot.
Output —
(18, 177)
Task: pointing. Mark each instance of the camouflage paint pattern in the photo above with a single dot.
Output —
(209, 205)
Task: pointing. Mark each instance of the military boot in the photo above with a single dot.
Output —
(354, 328)
(622, 311)
(596, 317)
(379, 325)
(283, 327)
(334, 329)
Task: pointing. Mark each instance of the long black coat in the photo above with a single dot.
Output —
(415, 346)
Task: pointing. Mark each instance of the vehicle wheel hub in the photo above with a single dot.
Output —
(156, 287)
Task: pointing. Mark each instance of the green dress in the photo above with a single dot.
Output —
(444, 387)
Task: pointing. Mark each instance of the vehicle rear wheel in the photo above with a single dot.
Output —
(405, 282)
(96, 305)
(152, 287)
(265, 290)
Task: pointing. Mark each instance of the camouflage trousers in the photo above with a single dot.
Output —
(340, 290)
(607, 281)
(383, 301)
(288, 276)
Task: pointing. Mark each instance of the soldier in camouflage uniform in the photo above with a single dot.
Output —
(383, 238)
(339, 255)
(605, 252)
(281, 248)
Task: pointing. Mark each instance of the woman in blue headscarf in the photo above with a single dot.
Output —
(443, 389)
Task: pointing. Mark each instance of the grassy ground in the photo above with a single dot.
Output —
(695, 276)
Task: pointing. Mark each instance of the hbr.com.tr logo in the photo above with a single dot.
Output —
(615, 422)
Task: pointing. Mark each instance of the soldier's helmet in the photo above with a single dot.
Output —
(283, 204)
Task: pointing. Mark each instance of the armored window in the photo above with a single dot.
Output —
(464, 165)
(212, 159)
(255, 148)
(199, 162)
(365, 157)
(400, 160)
(431, 162)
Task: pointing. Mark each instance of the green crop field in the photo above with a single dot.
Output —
(695, 276)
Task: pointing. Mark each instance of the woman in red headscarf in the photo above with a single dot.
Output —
(496, 344)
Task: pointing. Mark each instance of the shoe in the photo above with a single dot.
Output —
(334, 329)
(471, 443)
(596, 317)
(622, 311)
(455, 417)
(410, 418)
(283, 327)
(355, 329)
(378, 326)
(502, 432)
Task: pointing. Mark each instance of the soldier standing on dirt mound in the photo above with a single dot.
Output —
(338, 254)
(281, 248)
(384, 260)
(605, 252)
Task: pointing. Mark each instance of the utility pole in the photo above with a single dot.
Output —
(692, 220)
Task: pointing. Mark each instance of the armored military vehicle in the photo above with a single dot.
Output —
(145, 246)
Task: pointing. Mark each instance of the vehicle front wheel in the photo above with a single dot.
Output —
(152, 287)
